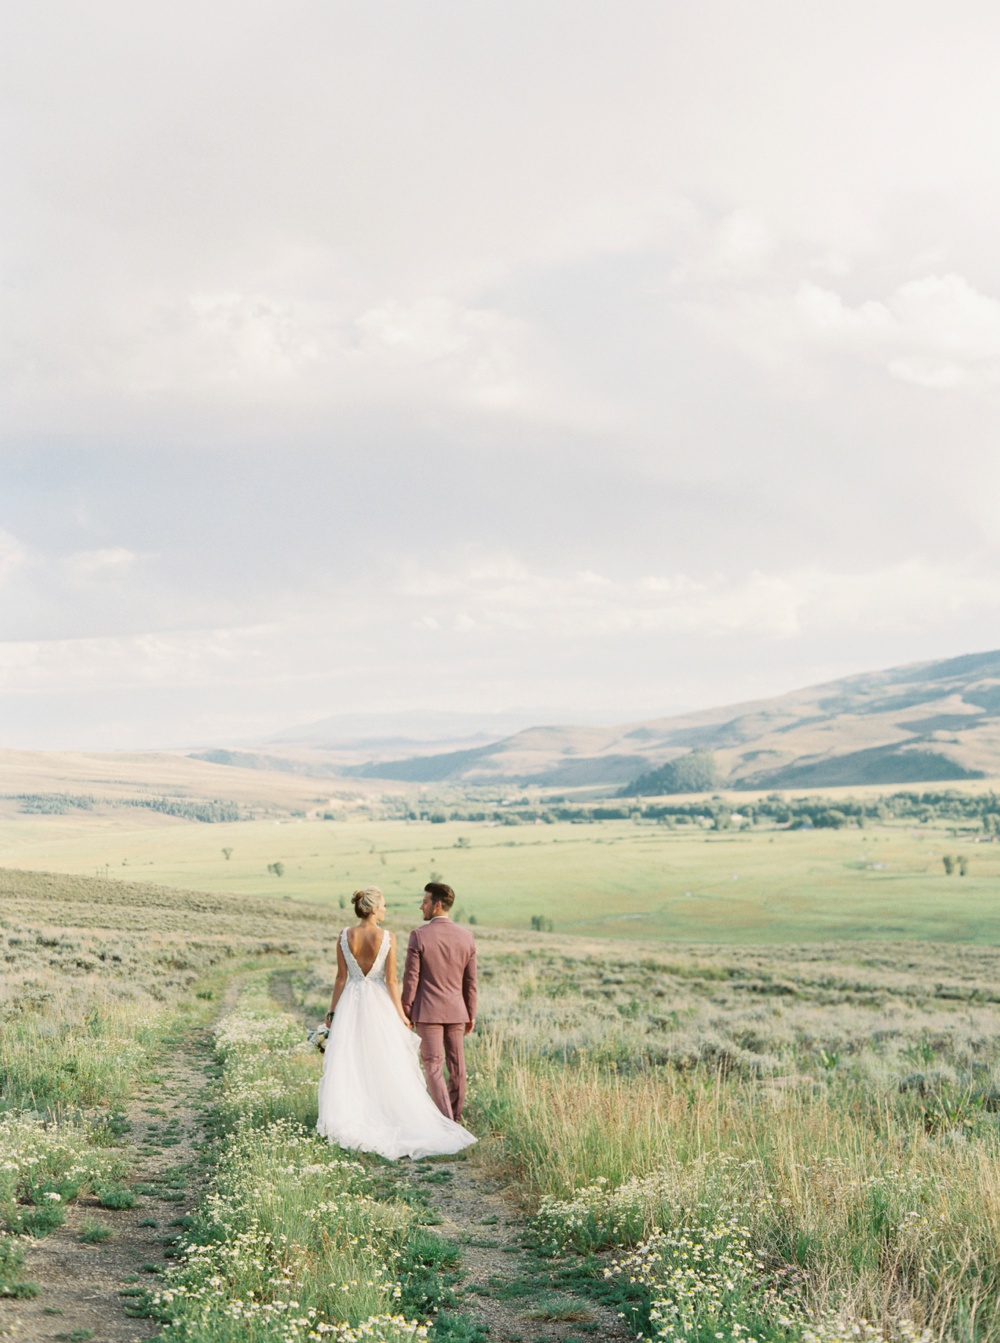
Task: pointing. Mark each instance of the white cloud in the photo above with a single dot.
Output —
(736, 248)
(496, 632)
(936, 331)
(181, 658)
(89, 566)
(252, 348)
(297, 305)
(508, 596)
(508, 613)
(435, 349)
(12, 555)
(49, 591)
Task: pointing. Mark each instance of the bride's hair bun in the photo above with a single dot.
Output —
(366, 900)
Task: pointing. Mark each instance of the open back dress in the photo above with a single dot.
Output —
(372, 1094)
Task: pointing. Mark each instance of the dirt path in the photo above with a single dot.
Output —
(85, 1286)
(504, 1288)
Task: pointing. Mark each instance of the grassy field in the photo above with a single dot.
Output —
(794, 1144)
(816, 1127)
(104, 987)
(611, 878)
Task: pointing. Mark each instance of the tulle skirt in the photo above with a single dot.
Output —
(372, 1094)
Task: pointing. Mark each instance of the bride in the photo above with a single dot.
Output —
(372, 1093)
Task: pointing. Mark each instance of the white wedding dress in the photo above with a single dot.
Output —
(372, 1094)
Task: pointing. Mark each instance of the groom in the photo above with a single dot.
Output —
(439, 995)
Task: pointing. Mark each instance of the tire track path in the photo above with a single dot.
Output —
(502, 1284)
(85, 1287)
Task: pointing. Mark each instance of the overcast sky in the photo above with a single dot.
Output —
(590, 359)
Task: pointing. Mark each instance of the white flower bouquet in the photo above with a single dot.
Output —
(319, 1037)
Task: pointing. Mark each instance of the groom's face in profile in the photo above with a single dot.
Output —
(428, 907)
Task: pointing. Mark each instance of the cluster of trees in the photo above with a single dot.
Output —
(209, 812)
(695, 772)
(777, 810)
(833, 814)
(58, 804)
(53, 804)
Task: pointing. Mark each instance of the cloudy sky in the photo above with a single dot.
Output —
(585, 359)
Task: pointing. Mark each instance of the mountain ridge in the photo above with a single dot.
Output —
(920, 722)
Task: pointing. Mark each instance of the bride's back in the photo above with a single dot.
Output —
(365, 942)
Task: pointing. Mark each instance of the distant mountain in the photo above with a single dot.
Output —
(278, 764)
(412, 732)
(927, 722)
(414, 746)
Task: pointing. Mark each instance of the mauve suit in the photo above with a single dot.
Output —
(439, 997)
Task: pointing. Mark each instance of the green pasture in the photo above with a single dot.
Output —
(612, 878)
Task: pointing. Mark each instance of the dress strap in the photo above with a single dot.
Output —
(346, 947)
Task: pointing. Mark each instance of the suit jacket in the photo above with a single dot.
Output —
(439, 982)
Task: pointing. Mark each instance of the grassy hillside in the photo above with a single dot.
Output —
(119, 779)
(924, 723)
(921, 723)
(778, 1144)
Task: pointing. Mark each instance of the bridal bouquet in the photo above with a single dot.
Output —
(319, 1037)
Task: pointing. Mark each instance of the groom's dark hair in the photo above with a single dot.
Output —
(440, 894)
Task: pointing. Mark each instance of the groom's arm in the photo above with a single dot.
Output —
(469, 989)
(411, 975)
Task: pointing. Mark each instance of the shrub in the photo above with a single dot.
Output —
(114, 1196)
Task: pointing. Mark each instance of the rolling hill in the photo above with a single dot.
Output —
(926, 722)
(923, 723)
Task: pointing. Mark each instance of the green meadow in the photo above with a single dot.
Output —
(607, 879)
(780, 1143)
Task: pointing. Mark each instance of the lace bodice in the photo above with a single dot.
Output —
(354, 972)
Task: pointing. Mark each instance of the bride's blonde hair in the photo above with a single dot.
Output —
(366, 900)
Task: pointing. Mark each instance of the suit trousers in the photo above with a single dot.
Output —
(438, 1044)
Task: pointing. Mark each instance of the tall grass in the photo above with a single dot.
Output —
(95, 974)
(79, 1064)
(846, 1196)
(82, 1017)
